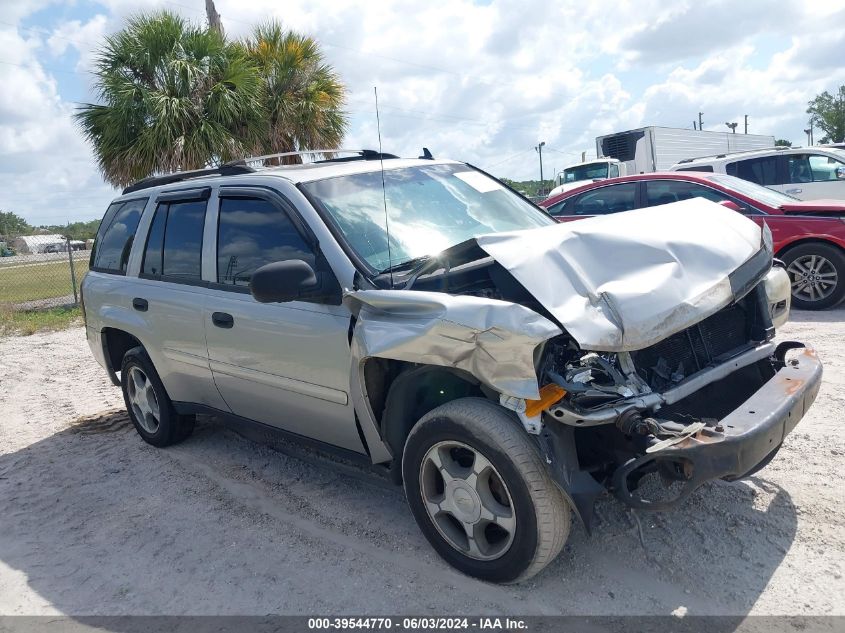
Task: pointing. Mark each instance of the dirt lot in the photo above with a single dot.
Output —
(94, 521)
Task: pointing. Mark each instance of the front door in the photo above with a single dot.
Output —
(282, 364)
(814, 176)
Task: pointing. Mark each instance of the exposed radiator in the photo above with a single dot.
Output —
(690, 350)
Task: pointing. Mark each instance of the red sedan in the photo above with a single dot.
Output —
(809, 236)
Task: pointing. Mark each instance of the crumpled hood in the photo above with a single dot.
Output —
(625, 281)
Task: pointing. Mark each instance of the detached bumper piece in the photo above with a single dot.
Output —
(740, 444)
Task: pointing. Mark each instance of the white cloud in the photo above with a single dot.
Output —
(483, 83)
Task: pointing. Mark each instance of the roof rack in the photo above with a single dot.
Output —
(242, 166)
(742, 151)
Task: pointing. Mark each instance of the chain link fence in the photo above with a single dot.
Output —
(41, 271)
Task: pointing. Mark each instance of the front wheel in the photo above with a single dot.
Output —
(817, 273)
(480, 492)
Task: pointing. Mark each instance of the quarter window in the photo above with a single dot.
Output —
(113, 248)
(253, 232)
(604, 200)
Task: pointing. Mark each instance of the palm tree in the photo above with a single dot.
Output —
(303, 96)
(174, 97)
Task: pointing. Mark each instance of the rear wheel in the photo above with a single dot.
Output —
(817, 273)
(480, 492)
(148, 404)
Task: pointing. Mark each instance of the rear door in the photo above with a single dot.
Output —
(169, 294)
(282, 364)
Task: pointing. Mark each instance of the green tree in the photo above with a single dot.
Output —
(827, 112)
(782, 142)
(11, 224)
(303, 96)
(174, 97)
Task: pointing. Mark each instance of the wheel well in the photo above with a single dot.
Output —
(115, 345)
(807, 240)
(401, 393)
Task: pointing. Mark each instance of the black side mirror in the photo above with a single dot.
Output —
(282, 281)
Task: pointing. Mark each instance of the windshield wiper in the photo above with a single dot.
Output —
(409, 264)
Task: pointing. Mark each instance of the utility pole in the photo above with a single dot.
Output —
(539, 149)
(693, 125)
(700, 123)
(746, 124)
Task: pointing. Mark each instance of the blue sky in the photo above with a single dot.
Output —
(476, 81)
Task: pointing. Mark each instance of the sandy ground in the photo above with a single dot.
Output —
(94, 521)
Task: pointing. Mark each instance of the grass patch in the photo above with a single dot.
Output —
(31, 282)
(24, 323)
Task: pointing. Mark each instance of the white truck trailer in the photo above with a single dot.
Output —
(653, 148)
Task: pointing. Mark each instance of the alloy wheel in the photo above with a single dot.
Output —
(143, 399)
(813, 277)
(467, 500)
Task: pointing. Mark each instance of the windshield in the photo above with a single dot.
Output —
(585, 172)
(753, 190)
(430, 208)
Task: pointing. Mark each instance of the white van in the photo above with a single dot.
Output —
(807, 173)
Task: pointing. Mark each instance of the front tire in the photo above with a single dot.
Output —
(148, 404)
(817, 274)
(480, 492)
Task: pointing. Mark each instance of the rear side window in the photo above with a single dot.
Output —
(174, 245)
(116, 234)
(605, 200)
(763, 171)
(253, 232)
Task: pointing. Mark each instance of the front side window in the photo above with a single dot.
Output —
(429, 209)
(762, 171)
(112, 250)
(604, 200)
(823, 168)
(253, 232)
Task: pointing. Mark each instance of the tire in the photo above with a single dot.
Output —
(148, 404)
(532, 517)
(815, 264)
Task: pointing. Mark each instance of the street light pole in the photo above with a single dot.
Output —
(732, 126)
(539, 149)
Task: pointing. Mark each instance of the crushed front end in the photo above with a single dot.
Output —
(714, 400)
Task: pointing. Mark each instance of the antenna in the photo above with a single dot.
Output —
(383, 190)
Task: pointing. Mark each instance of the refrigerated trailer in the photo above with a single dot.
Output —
(656, 148)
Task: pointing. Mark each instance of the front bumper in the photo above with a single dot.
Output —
(750, 436)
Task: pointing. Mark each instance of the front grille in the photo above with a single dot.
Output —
(683, 354)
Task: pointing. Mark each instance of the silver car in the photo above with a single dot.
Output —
(424, 317)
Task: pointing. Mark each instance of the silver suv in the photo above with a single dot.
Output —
(419, 314)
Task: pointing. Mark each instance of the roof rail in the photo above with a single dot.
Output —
(227, 169)
(742, 151)
(242, 166)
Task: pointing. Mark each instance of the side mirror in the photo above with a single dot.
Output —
(282, 281)
(840, 173)
(733, 206)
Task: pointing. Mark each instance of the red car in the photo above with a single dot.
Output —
(809, 236)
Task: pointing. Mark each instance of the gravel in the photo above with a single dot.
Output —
(94, 521)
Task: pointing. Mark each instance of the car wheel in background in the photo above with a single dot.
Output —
(817, 274)
(480, 492)
(148, 404)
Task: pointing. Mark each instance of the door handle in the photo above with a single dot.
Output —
(222, 319)
(794, 190)
(140, 305)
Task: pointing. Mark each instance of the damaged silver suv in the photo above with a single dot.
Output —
(506, 369)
